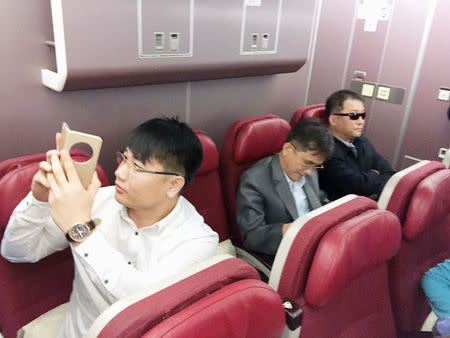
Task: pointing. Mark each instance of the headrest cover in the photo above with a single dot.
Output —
(259, 139)
(210, 154)
(399, 200)
(429, 204)
(14, 186)
(349, 249)
(318, 113)
(300, 112)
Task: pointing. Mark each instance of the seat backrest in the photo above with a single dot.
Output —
(247, 141)
(313, 110)
(252, 308)
(196, 305)
(425, 242)
(336, 269)
(400, 187)
(205, 190)
(29, 290)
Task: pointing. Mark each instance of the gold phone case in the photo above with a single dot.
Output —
(86, 169)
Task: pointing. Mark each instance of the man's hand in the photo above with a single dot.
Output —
(39, 184)
(285, 228)
(69, 201)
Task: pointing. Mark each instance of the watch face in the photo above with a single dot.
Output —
(79, 232)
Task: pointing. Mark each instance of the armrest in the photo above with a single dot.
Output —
(260, 262)
(294, 314)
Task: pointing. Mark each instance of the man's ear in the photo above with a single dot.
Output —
(287, 147)
(176, 184)
(332, 120)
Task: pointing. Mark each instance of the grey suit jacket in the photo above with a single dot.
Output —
(265, 203)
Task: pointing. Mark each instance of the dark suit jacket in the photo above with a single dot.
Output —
(265, 203)
(344, 174)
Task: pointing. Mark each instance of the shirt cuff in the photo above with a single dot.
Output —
(35, 209)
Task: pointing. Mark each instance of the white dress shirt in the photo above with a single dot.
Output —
(300, 199)
(117, 258)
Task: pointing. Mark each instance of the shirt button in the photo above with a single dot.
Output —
(129, 263)
(136, 233)
(106, 281)
(85, 255)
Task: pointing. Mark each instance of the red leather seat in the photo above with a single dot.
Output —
(205, 191)
(29, 290)
(332, 262)
(223, 300)
(421, 200)
(247, 141)
(314, 110)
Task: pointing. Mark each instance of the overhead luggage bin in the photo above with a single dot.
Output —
(115, 43)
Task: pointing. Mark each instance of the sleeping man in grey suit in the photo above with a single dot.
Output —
(278, 189)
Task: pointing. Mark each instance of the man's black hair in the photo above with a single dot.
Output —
(310, 134)
(335, 102)
(169, 141)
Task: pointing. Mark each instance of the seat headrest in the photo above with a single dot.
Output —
(210, 154)
(348, 250)
(318, 113)
(429, 204)
(260, 138)
(398, 190)
(14, 186)
(300, 112)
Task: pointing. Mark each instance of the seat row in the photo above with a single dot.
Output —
(347, 265)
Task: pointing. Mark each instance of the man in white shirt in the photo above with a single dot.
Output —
(124, 237)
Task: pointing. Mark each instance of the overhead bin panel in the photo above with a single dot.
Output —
(114, 43)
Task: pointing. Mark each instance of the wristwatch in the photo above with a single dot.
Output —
(80, 231)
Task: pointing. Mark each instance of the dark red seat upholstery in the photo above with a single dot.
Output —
(247, 141)
(333, 264)
(205, 191)
(223, 300)
(29, 290)
(314, 110)
(421, 199)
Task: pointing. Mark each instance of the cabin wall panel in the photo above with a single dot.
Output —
(428, 127)
(30, 113)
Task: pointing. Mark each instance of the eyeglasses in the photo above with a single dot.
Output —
(307, 166)
(353, 116)
(120, 157)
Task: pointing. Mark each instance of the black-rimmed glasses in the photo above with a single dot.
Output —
(120, 157)
(353, 116)
(307, 166)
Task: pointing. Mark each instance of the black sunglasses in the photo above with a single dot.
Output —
(353, 116)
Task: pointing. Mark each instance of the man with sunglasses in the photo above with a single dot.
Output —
(280, 188)
(123, 238)
(355, 167)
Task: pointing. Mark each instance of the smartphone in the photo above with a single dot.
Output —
(69, 138)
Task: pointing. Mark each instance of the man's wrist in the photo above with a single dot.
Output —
(81, 230)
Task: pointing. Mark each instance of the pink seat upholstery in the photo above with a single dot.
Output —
(426, 240)
(205, 191)
(223, 300)
(333, 264)
(314, 110)
(29, 290)
(397, 192)
(247, 141)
